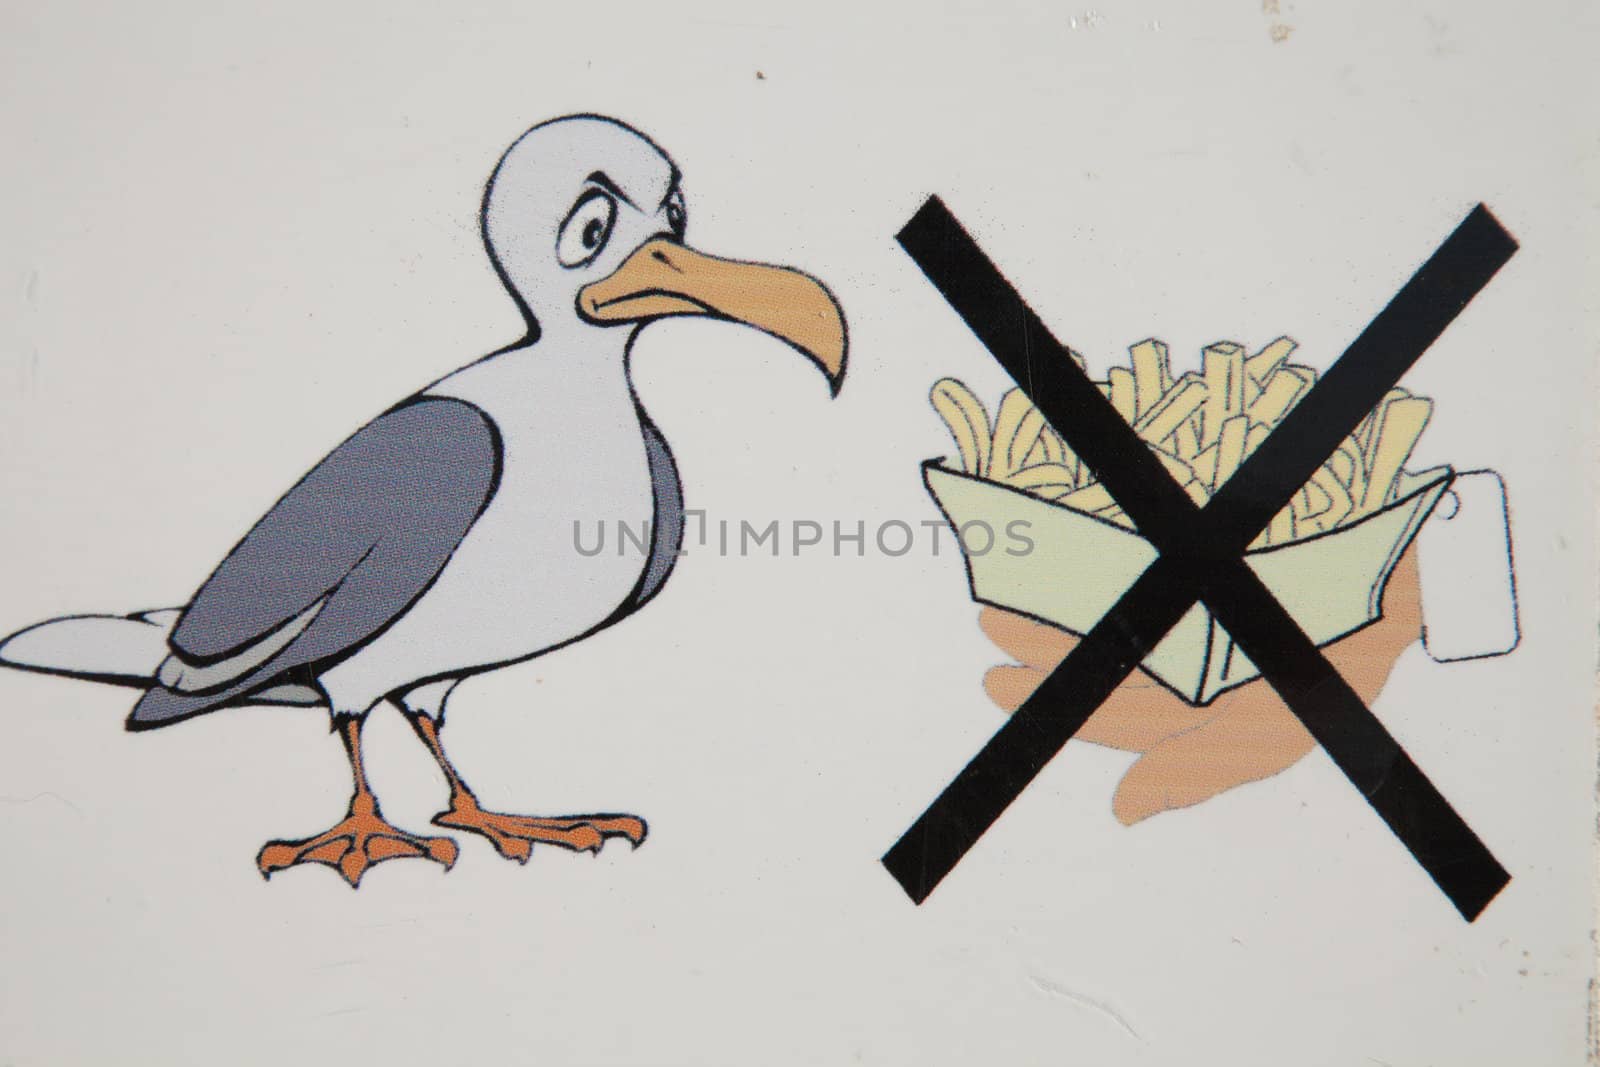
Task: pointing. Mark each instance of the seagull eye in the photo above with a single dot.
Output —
(586, 230)
(677, 214)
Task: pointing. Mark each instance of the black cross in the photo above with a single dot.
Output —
(1201, 557)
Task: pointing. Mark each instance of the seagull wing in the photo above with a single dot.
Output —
(337, 559)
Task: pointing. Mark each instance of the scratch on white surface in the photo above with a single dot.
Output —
(1099, 1007)
(336, 964)
(347, 1011)
(57, 797)
(1594, 931)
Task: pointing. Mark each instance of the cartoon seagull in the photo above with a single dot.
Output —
(436, 542)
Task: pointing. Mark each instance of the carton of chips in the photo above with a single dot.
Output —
(1326, 556)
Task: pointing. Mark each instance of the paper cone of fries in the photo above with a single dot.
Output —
(1079, 566)
(1041, 536)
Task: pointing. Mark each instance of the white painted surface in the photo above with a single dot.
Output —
(232, 237)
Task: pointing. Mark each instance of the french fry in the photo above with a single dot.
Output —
(1277, 397)
(1205, 465)
(1307, 375)
(1309, 503)
(1117, 515)
(968, 421)
(1124, 393)
(1069, 458)
(1372, 426)
(1091, 498)
(1202, 427)
(1343, 464)
(1223, 368)
(1351, 451)
(1179, 470)
(1261, 365)
(1338, 496)
(1004, 455)
(1186, 438)
(1044, 478)
(1051, 449)
(1358, 439)
(1393, 438)
(1282, 529)
(1026, 439)
(1172, 410)
(1050, 446)
(1151, 378)
(1230, 449)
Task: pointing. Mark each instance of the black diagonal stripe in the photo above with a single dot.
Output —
(1368, 369)
(1040, 364)
(1038, 729)
(1403, 796)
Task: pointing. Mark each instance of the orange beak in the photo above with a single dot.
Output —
(663, 278)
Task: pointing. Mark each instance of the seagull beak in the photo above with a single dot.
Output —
(663, 278)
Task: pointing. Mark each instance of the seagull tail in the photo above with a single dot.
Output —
(118, 649)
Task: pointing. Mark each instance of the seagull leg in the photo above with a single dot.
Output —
(363, 838)
(515, 835)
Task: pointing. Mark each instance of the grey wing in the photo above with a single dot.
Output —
(342, 554)
(667, 529)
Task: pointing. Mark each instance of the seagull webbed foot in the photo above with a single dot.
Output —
(515, 835)
(362, 839)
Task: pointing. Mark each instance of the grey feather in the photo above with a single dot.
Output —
(667, 526)
(352, 545)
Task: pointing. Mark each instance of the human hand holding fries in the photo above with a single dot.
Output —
(1191, 753)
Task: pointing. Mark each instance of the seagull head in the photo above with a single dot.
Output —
(585, 221)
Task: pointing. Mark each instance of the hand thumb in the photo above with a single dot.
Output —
(1159, 781)
(1253, 739)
